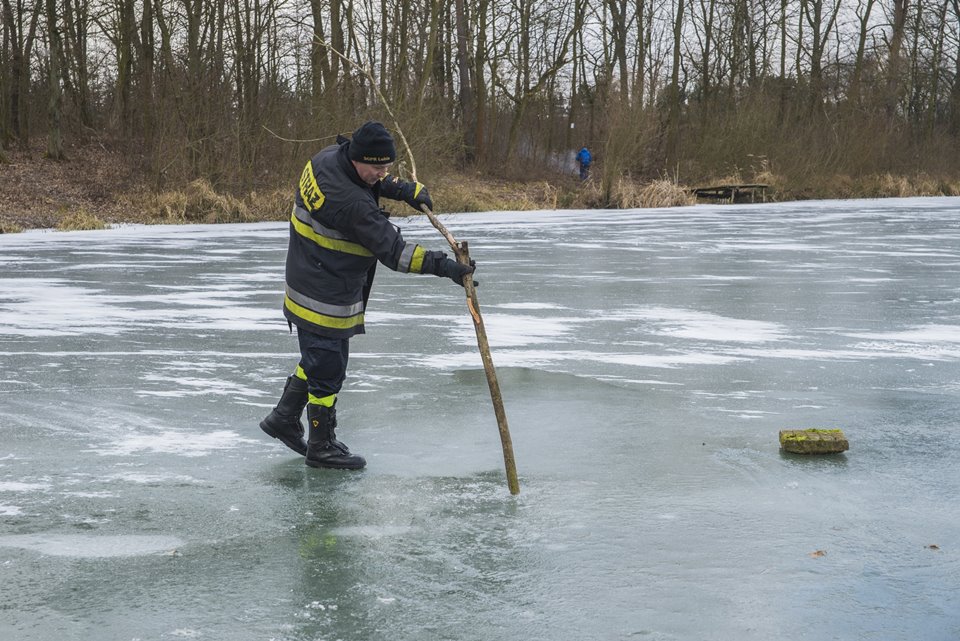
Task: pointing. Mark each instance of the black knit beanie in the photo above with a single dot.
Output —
(372, 144)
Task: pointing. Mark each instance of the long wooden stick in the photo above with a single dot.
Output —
(462, 252)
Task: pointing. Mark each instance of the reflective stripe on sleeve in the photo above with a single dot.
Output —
(406, 256)
(411, 259)
(416, 265)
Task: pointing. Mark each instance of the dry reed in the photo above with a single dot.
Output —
(665, 193)
(80, 221)
(199, 202)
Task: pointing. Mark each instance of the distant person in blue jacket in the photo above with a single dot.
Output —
(584, 159)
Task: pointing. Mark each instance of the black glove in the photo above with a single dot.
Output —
(416, 195)
(456, 271)
(438, 264)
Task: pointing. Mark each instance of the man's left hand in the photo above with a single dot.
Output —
(419, 196)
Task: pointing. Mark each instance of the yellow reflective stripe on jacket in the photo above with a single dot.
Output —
(299, 373)
(416, 265)
(345, 246)
(327, 309)
(322, 320)
(416, 191)
(411, 259)
(304, 217)
(309, 189)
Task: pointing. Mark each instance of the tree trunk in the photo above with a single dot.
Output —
(145, 74)
(673, 105)
(642, 18)
(466, 95)
(955, 88)
(55, 104)
(319, 63)
(618, 28)
(431, 46)
(783, 62)
(76, 26)
(479, 78)
(857, 78)
(893, 83)
(124, 47)
(708, 13)
(937, 58)
(336, 41)
(21, 48)
(574, 93)
(814, 10)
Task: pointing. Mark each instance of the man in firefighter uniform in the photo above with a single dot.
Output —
(338, 234)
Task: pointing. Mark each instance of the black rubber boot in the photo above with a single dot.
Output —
(283, 422)
(323, 448)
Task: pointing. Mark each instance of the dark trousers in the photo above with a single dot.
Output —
(324, 361)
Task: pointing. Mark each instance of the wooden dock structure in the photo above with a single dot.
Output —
(730, 193)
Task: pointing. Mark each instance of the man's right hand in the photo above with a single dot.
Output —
(456, 271)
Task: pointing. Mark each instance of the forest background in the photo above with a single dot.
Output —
(183, 110)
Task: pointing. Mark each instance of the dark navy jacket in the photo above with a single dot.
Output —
(338, 233)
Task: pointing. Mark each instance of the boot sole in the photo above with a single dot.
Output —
(333, 466)
(297, 447)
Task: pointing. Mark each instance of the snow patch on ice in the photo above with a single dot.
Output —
(19, 486)
(91, 495)
(50, 307)
(540, 358)
(695, 325)
(93, 546)
(918, 334)
(526, 306)
(371, 531)
(508, 330)
(173, 442)
(150, 479)
(177, 386)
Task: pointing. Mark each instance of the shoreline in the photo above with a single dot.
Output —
(96, 187)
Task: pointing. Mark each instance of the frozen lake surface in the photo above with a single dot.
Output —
(648, 360)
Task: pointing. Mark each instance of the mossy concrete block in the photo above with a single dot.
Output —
(813, 441)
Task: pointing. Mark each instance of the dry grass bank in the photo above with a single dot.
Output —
(97, 187)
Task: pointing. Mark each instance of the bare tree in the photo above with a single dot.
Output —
(55, 101)
(894, 85)
(21, 38)
(673, 99)
(467, 95)
(76, 26)
(535, 55)
(954, 102)
(864, 9)
(820, 17)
